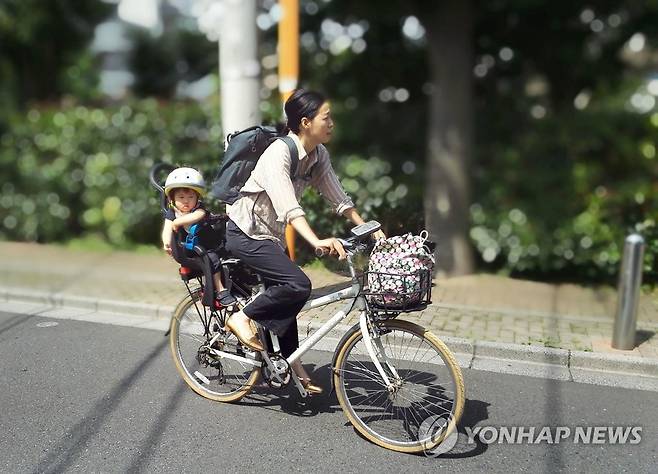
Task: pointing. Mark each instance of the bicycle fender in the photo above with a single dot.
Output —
(343, 340)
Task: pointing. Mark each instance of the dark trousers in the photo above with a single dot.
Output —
(287, 288)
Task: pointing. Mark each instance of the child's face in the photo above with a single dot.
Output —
(185, 199)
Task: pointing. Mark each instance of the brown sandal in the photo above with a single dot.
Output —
(247, 338)
(310, 387)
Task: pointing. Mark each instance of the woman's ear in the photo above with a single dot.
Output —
(305, 122)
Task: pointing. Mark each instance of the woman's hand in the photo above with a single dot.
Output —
(334, 247)
(352, 214)
(167, 248)
(379, 235)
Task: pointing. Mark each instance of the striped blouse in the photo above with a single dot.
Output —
(269, 199)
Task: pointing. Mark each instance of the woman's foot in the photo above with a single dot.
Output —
(305, 379)
(225, 298)
(310, 387)
(239, 325)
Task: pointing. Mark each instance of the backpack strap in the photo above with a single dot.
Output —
(294, 155)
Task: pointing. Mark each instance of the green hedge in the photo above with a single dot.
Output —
(79, 170)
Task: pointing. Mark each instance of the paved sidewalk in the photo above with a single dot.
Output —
(483, 314)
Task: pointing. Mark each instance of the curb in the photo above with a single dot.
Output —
(614, 363)
(535, 361)
(61, 300)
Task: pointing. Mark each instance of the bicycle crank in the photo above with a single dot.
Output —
(276, 371)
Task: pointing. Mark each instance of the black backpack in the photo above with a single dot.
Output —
(240, 158)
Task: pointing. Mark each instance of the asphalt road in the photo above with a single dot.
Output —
(84, 397)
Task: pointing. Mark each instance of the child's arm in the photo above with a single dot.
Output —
(188, 219)
(167, 231)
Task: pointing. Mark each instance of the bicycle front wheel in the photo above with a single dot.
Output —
(424, 400)
(209, 359)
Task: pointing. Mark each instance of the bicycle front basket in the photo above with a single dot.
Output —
(398, 292)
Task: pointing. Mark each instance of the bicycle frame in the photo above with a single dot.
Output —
(352, 294)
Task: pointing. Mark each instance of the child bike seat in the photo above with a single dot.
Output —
(196, 263)
(187, 273)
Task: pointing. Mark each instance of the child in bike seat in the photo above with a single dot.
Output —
(184, 188)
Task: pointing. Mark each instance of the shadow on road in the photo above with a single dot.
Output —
(642, 336)
(75, 440)
(475, 412)
(288, 399)
(14, 321)
(150, 444)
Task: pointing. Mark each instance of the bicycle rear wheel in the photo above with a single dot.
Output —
(426, 398)
(209, 359)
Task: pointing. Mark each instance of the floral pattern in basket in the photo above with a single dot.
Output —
(400, 268)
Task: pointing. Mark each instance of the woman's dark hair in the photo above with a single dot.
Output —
(300, 104)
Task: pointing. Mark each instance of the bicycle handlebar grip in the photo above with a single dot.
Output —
(321, 252)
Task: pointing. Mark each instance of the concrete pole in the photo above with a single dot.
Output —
(239, 68)
(288, 36)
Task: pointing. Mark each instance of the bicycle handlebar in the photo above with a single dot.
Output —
(354, 243)
(321, 252)
(351, 246)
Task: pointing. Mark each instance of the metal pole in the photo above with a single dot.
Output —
(628, 293)
(239, 68)
(288, 34)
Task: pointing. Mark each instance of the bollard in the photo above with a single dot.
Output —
(628, 293)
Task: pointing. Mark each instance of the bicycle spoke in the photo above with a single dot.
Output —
(428, 396)
(374, 394)
(417, 422)
(419, 378)
(197, 339)
(435, 405)
(374, 378)
(420, 344)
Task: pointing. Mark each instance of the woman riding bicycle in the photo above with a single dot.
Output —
(268, 202)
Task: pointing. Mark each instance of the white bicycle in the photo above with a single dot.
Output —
(390, 375)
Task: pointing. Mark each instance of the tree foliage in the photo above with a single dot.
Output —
(43, 49)
(160, 63)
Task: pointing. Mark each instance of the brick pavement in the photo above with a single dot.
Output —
(478, 307)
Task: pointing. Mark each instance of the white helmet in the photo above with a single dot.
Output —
(185, 178)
